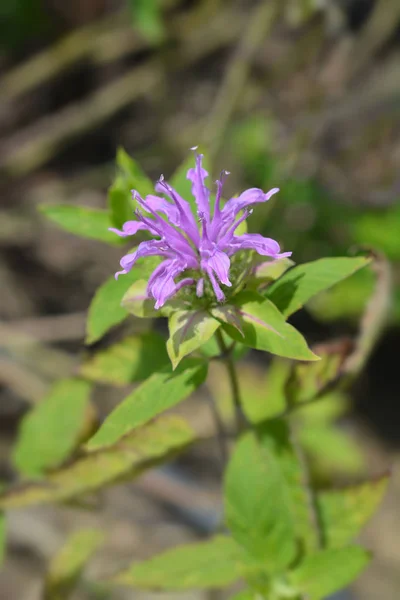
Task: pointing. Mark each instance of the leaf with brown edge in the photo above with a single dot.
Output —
(139, 450)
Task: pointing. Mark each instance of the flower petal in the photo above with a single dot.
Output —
(128, 228)
(157, 204)
(219, 262)
(255, 241)
(161, 284)
(147, 248)
(200, 192)
(186, 217)
(250, 196)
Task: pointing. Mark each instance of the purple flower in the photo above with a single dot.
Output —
(196, 251)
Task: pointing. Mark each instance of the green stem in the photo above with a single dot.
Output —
(226, 357)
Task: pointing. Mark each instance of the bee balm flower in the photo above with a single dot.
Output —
(196, 251)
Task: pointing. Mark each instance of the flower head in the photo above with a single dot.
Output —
(196, 250)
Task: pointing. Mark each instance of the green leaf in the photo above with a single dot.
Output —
(158, 393)
(210, 564)
(343, 513)
(148, 18)
(129, 177)
(133, 359)
(379, 229)
(298, 285)
(331, 449)
(139, 450)
(188, 330)
(267, 272)
(264, 328)
(275, 437)
(51, 430)
(3, 539)
(105, 310)
(66, 567)
(91, 223)
(136, 301)
(256, 505)
(268, 400)
(183, 185)
(324, 573)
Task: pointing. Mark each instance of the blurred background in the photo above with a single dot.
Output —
(300, 94)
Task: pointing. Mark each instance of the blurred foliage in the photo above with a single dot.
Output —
(21, 20)
(312, 223)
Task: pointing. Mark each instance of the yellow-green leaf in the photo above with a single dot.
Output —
(92, 223)
(343, 513)
(51, 429)
(211, 564)
(328, 571)
(188, 330)
(3, 533)
(133, 359)
(137, 451)
(257, 508)
(159, 392)
(298, 285)
(264, 328)
(129, 177)
(106, 310)
(68, 564)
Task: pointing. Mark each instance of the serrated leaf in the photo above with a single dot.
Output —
(342, 513)
(133, 359)
(68, 564)
(105, 309)
(275, 437)
(298, 285)
(329, 571)
(265, 328)
(91, 223)
(188, 330)
(211, 564)
(159, 392)
(129, 177)
(3, 534)
(257, 511)
(139, 450)
(50, 431)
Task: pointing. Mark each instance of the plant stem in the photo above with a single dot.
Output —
(226, 357)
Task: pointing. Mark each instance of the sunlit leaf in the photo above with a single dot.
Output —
(3, 533)
(159, 392)
(211, 564)
(275, 437)
(328, 571)
(147, 17)
(105, 310)
(139, 450)
(68, 564)
(188, 330)
(267, 399)
(86, 222)
(257, 508)
(265, 328)
(343, 512)
(136, 301)
(50, 431)
(298, 285)
(129, 177)
(132, 359)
